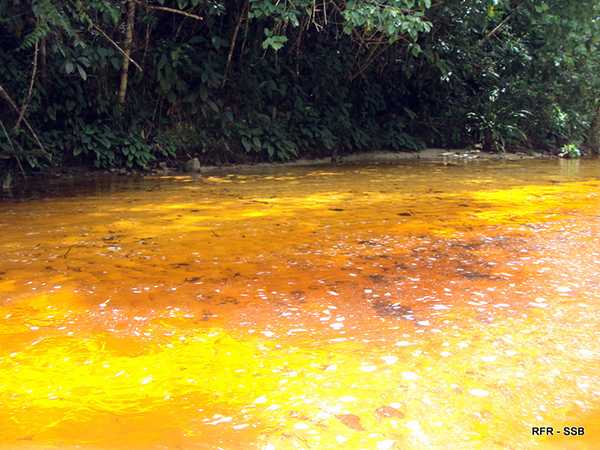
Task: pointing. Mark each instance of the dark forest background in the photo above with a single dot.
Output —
(107, 83)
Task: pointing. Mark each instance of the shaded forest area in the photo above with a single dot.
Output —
(107, 83)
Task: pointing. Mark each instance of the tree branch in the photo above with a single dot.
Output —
(107, 37)
(499, 26)
(173, 11)
(232, 44)
(31, 83)
(4, 94)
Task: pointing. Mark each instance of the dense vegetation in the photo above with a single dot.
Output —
(116, 83)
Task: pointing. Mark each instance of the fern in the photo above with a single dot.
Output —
(49, 17)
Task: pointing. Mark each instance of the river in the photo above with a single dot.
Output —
(407, 306)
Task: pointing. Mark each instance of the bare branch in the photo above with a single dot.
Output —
(233, 41)
(4, 94)
(31, 83)
(173, 11)
(108, 38)
(500, 25)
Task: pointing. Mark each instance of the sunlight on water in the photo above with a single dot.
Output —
(391, 307)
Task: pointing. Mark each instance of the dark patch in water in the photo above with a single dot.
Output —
(299, 296)
(377, 278)
(229, 301)
(192, 279)
(478, 276)
(388, 309)
(370, 243)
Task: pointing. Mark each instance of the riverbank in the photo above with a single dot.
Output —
(429, 154)
(435, 155)
(441, 155)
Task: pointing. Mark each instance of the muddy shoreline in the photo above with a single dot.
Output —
(430, 154)
(433, 155)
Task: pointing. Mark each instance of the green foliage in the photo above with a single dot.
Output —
(497, 128)
(392, 18)
(49, 16)
(396, 138)
(570, 151)
(259, 80)
(104, 148)
(273, 41)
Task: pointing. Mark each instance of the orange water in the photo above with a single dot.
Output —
(392, 307)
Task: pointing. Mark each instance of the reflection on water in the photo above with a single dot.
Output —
(416, 306)
(570, 167)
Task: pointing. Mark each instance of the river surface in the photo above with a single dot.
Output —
(364, 307)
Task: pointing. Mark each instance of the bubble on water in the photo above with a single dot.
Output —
(424, 323)
(476, 392)
(410, 376)
(301, 426)
(386, 445)
(368, 368)
(584, 353)
(337, 325)
(390, 359)
(440, 307)
(296, 330)
(268, 333)
(261, 399)
(147, 379)
(222, 419)
(417, 432)
(488, 358)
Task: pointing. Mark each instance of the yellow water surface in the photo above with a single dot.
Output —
(362, 307)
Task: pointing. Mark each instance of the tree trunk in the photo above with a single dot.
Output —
(594, 133)
(488, 144)
(127, 51)
(232, 43)
(43, 60)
